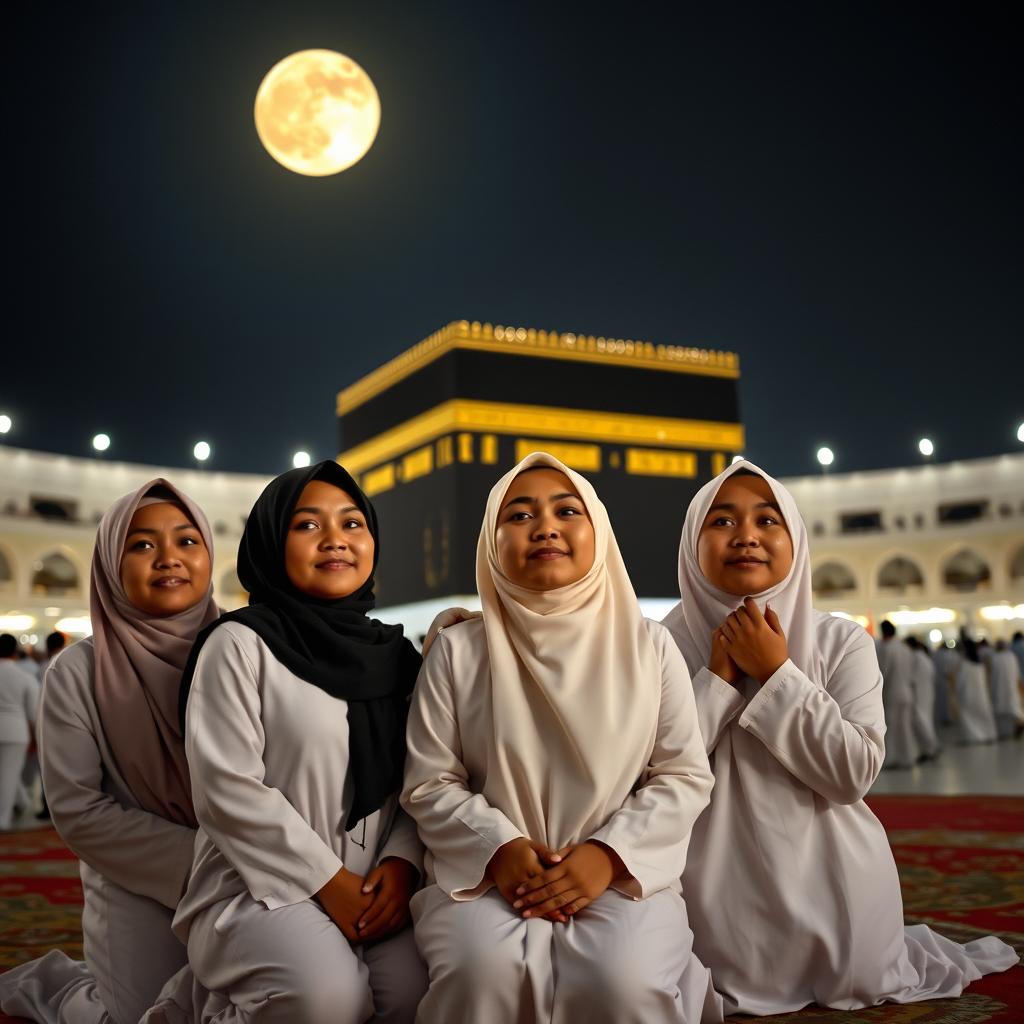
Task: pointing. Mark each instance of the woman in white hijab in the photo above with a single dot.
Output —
(792, 889)
(554, 771)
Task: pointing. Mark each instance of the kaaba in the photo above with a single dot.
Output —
(428, 434)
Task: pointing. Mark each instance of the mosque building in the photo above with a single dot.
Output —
(933, 547)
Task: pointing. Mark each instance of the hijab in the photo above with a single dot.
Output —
(575, 683)
(703, 607)
(139, 660)
(332, 644)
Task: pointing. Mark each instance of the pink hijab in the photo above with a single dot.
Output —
(139, 661)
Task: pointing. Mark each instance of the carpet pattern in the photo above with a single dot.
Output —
(961, 864)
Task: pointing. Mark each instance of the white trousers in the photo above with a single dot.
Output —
(621, 961)
(286, 966)
(12, 761)
(130, 952)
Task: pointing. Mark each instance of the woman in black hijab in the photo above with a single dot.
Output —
(294, 718)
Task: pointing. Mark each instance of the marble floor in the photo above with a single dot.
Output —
(983, 768)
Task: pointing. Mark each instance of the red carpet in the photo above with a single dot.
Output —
(961, 862)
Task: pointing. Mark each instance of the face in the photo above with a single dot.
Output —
(165, 565)
(744, 546)
(545, 538)
(328, 552)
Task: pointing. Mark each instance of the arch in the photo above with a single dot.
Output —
(966, 572)
(54, 575)
(899, 575)
(833, 579)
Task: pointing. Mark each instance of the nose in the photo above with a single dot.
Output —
(544, 528)
(746, 537)
(333, 539)
(166, 558)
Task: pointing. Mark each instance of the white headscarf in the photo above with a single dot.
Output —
(703, 607)
(575, 683)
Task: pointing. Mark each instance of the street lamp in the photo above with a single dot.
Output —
(201, 451)
(300, 460)
(101, 442)
(6, 423)
(1020, 431)
(925, 447)
(826, 457)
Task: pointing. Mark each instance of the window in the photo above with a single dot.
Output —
(963, 511)
(861, 522)
(54, 508)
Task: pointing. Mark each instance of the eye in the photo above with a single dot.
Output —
(721, 521)
(354, 524)
(306, 524)
(141, 545)
(519, 517)
(569, 512)
(189, 541)
(769, 521)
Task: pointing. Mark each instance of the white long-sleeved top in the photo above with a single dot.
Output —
(449, 736)
(90, 803)
(268, 759)
(791, 886)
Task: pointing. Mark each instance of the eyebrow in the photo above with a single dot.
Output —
(320, 511)
(727, 506)
(147, 529)
(532, 501)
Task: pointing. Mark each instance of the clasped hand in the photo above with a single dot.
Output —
(748, 643)
(553, 884)
(372, 907)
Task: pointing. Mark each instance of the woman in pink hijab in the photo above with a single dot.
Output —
(114, 765)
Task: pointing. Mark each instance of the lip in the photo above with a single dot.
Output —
(335, 565)
(746, 563)
(548, 554)
(170, 581)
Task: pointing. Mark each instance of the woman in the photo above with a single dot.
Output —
(790, 882)
(113, 761)
(974, 705)
(297, 907)
(554, 771)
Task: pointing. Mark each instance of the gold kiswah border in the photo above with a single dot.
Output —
(460, 414)
(462, 334)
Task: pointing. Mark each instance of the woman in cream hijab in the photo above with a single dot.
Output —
(791, 886)
(554, 771)
(113, 762)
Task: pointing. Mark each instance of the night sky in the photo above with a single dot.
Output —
(831, 190)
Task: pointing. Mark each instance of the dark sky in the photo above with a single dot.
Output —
(831, 190)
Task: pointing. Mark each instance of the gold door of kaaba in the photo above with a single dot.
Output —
(428, 433)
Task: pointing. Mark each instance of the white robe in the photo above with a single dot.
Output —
(134, 867)
(19, 694)
(896, 661)
(1006, 705)
(626, 958)
(791, 886)
(977, 722)
(924, 682)
(268, 759)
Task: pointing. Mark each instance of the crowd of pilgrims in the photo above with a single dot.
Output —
(563, 812)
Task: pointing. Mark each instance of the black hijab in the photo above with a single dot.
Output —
(332, 644)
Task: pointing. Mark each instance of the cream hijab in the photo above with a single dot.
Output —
(575, 683)
(703, 608)
(139, 660)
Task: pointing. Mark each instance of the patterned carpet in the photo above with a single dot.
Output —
(961, 862)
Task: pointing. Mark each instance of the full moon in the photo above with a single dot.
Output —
(317, 112)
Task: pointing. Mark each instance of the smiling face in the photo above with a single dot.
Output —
(744, 546)
(328, 552)
(545, 538)
(165, 564)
